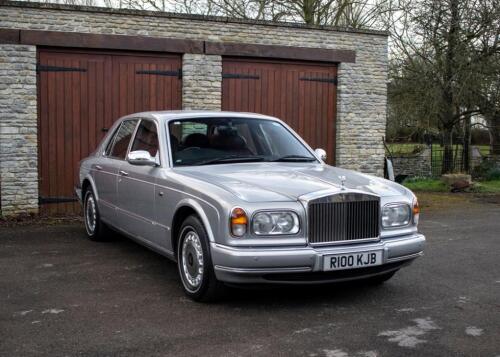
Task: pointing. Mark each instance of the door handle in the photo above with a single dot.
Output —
(123, 173)
(98, 167)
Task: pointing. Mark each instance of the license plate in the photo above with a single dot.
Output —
(352, 260)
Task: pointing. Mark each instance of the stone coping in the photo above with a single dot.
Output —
(133, 12)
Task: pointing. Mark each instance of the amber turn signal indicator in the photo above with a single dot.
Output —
(239, 222)
(416, 207)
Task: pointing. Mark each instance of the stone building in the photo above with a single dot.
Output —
(67, 72)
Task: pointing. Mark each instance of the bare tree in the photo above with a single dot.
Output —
(440, 45)
(347, 13)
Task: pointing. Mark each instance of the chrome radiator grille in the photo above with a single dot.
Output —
(343, 217)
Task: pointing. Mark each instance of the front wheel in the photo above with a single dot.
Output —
(194, 262)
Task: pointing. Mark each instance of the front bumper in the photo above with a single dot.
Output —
(304, 264)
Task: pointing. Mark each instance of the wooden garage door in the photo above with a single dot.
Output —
(301, 94)
(80, 95)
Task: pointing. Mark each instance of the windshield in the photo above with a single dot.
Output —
(207, 141)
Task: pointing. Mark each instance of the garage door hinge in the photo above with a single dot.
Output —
(319, 79)
(45, 68)
(239, 76)
(44, 200)
(177, 73)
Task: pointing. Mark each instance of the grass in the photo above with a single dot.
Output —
(404, 148)
(436, 185)
(426, 185)
(409, 148)
(488, 186)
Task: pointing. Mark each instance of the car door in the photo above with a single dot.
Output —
(107, 167)
(136, 190)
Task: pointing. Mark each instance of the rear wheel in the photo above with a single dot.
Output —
(194, 262)
(95, 228)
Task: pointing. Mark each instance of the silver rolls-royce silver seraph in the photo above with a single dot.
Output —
(240, 198)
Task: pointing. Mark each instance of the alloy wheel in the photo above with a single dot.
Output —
(192, 262)
(90, 214)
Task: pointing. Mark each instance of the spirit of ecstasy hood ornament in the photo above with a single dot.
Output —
(342, 182)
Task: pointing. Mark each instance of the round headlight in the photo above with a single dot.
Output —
(285, 222)
(262, 223)
(272, 223)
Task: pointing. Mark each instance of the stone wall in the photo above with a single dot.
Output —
(361, 95)
(201, 82)
(417, 165)
(18, 129)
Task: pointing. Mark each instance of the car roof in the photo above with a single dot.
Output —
(185, 114)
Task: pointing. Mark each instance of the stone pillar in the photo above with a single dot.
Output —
(18, 130)
(362, 109)
(201, 82)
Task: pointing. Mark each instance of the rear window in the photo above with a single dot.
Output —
(122, 139)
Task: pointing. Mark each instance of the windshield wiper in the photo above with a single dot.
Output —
(230, 159)
(295, 158)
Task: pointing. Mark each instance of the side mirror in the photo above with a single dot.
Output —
(321, 154)
(141, 158)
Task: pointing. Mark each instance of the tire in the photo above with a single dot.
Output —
(380, 279)
(95, 228)
(195, 263)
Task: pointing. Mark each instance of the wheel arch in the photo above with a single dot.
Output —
(89, 182)
(184, 209)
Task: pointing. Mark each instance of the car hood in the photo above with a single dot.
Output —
(270, 181)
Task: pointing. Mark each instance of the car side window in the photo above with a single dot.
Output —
(110, 143)
(122, 139)
(146, 138)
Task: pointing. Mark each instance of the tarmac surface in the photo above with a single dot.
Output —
(63, 295)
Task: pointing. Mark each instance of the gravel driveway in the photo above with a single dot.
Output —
(61, 294)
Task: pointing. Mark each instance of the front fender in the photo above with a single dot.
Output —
(204, 211)
(88, 177)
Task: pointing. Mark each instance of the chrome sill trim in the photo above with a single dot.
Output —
(262, 270)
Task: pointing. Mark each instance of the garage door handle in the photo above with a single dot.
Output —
(98, 167)
(123, 173)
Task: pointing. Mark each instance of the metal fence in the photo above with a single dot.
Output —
(456, 163)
